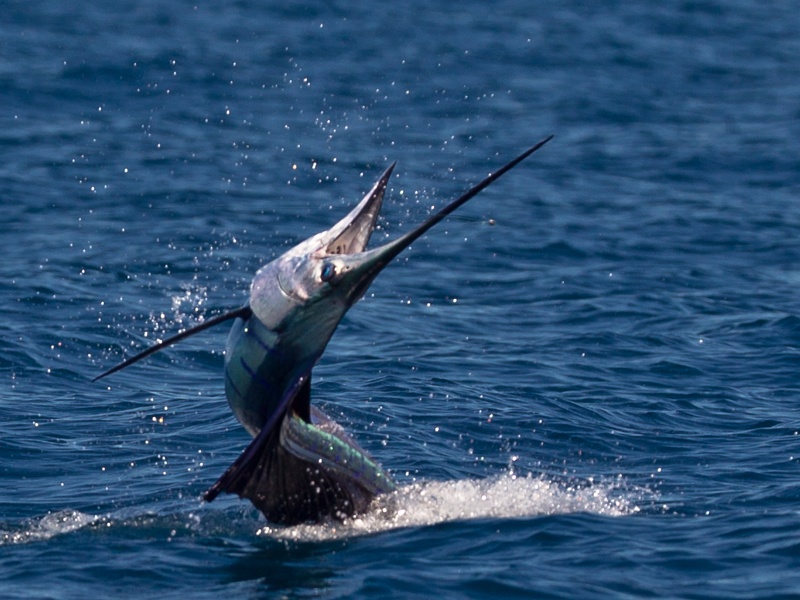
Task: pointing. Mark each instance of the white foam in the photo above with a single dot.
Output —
(505, 496)
(48, 526)
(414, 505)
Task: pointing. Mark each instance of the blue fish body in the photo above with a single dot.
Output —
(257, 372)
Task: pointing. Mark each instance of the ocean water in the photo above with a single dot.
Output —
(585, 381)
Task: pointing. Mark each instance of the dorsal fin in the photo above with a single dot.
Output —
(237, 475)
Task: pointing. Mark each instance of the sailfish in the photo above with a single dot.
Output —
(301, 466)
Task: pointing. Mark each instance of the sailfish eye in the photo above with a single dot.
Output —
(328, 272)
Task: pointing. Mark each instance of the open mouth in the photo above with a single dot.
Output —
(351, 234)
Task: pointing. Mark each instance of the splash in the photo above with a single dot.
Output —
(414, 505)
(505, 496)
(188, 306)
(47, 527)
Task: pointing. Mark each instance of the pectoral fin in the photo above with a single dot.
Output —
(240, 313)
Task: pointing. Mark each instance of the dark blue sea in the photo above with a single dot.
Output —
(585, 381)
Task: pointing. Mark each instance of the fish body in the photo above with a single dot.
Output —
(301, 466)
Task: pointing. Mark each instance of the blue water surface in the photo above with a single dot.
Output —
(585, 381)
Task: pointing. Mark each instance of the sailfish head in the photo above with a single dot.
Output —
(303, 294)
(298, 299)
